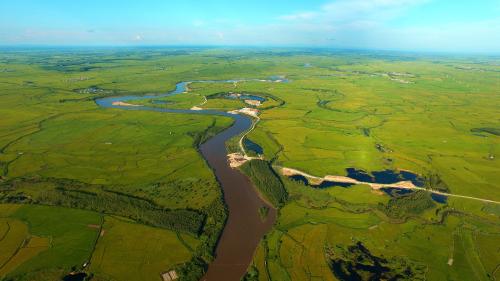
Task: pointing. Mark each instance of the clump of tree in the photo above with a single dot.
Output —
(252, 274)
(434, 181)
(206, 223)
(401, 206)
(138, 209)
(192, 270)
(216, 218)
(263, 212)
(266, 180)
(216, 214)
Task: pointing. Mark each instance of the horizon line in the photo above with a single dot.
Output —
(259, 46)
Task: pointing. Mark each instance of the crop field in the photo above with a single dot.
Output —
(42, 242)
(128, 251)
(436, 245)
(128, 193)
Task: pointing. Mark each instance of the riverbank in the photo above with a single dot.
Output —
(244, 226)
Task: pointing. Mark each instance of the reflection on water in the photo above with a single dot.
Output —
(252, 146)
(359, 175)
(385, 177)
(439, 198)
(299, 178)
(395, 192)
(324, 184)
(245, 97)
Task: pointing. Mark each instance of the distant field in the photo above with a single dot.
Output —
(71, 167)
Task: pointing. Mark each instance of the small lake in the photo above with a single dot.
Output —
(395, 192)
(439, 198)
(252, 146)
(324, 184)
(385, 176)
(245, 97)
(279, 78)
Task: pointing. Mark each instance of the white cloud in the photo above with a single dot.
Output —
(346, 11)
(340, 24)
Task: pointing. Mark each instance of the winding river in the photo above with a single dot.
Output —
(244, 228)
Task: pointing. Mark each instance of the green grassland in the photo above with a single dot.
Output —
(57, 147)
(424, 127)
(46, 242)
(320, 223)
(430, 114)
(128, 251)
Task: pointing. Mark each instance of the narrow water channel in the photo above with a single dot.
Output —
(244, 227)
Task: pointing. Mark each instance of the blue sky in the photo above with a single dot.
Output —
(430, 25)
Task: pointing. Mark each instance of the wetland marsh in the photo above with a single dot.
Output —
(102, 179)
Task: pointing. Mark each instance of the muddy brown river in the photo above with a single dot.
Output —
(244, 228)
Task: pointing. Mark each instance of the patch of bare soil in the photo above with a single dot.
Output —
(120, 103)
(248, 111)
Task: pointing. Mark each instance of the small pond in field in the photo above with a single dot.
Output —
(324, 184)
(234, 96)
(439, 198)
(395, 192)
(252, 146)
(385, 177)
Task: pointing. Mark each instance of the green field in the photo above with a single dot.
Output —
(46, 242)
(81, 183)
(128, 251)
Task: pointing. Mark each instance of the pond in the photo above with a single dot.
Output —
(439, 198)
(385, 176)
(324, 184)
(234, 96)
(395, 192)
(252, 146)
